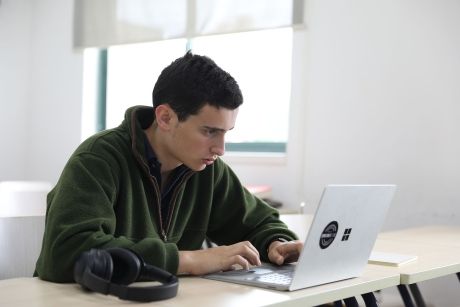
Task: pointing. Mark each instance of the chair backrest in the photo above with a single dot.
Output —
(20, 244)
(22, 223)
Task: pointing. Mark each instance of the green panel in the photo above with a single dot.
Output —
(101, 90)
(256, 147)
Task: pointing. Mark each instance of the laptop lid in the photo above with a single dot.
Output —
(339, 241)
(342, 234)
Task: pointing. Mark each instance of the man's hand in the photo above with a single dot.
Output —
(219, 258)
(284, 252)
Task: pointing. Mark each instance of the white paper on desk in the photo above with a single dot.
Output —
(390, 259)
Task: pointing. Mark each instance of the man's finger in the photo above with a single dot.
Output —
(237, 259)
(248, 251)
(290, 251)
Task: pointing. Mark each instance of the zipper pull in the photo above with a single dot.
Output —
(165, 238)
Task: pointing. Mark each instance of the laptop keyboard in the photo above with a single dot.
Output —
(282, 278)
(267, 274)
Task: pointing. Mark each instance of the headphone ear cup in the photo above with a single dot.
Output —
(103, 264)
(127, 266)
(94, 261)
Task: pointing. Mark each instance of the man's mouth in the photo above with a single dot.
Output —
(209, 161)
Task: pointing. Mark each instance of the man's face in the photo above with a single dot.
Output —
(197, 141)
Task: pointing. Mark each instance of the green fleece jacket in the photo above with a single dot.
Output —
(106, 197)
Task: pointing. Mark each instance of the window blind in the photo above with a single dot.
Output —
(104, 23)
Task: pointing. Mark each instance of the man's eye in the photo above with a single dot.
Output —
(211, 132)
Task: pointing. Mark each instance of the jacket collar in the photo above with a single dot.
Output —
(137, 119)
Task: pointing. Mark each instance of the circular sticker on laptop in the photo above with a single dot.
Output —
(328, 235)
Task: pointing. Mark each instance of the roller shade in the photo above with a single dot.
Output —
(103, 23)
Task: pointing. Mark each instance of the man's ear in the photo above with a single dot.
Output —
(165, 117)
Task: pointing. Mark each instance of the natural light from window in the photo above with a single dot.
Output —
(260, 61)
(132, 71)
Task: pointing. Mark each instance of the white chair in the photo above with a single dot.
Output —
(22, 223)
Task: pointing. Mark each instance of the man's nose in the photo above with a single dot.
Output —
(219, 146)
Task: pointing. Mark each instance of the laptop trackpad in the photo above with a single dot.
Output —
(252, 271)
(257, 271)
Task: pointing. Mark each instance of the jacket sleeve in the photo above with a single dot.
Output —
(80, 216)
(237, 215)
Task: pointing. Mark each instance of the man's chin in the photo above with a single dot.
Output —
(197, 167)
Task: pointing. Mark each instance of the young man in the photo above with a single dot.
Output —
(155, 185)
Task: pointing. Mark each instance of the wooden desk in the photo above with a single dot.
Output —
(433, 235)
(437, 249)
(195, 291)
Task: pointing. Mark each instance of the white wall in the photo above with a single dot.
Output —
(383, 103)
(15, 41)
(41, 81)
(383, 93)
(56, 90)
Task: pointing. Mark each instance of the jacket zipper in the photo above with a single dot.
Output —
(164, 230)
(154, 184)
(158, 203)
(173, 202)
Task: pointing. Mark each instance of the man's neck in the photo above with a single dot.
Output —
(156, 142)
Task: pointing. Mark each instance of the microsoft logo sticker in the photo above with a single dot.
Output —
(346, 234)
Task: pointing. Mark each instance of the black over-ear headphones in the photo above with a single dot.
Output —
(110, 271)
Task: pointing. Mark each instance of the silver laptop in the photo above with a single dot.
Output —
(338, 243)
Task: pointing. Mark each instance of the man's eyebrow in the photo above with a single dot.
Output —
(216, 129)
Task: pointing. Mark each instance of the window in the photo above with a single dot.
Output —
(260, 61)
(132, 71)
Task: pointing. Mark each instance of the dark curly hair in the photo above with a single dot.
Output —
(192, 81)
